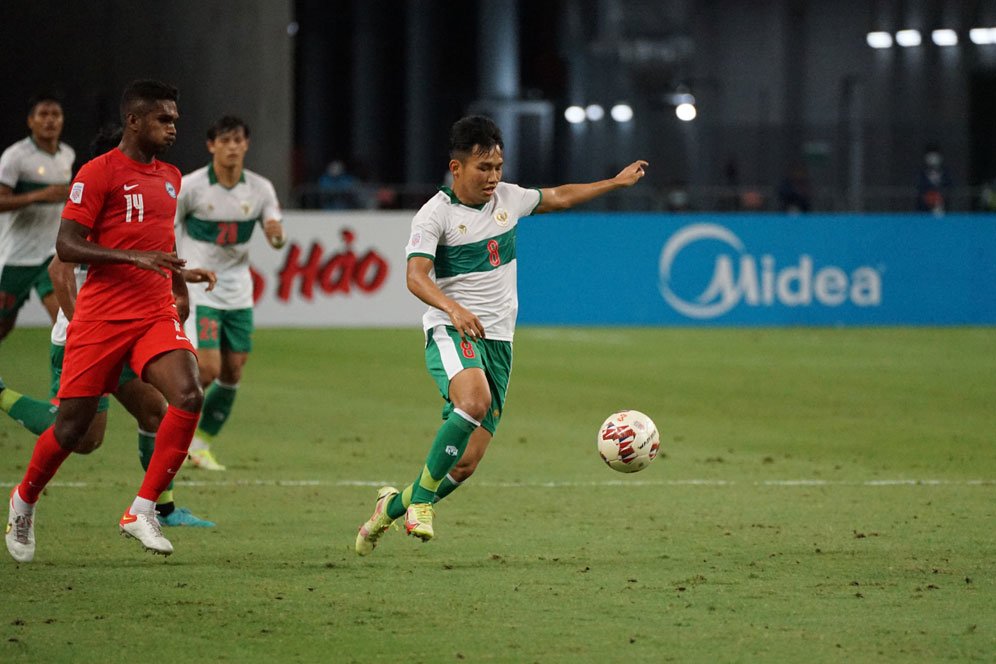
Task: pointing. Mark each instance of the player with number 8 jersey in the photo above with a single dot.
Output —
(462, 263)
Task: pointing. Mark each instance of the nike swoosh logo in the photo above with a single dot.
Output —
(179, 338)
(171, 471)
(129, 517)
(129, 187)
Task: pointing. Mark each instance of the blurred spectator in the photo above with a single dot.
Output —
(987, 199)
(933, 183)
(338, 190)
(794, 191)
(751, 200)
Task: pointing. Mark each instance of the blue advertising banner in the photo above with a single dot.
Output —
(757, 269)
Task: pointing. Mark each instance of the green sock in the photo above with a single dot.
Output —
(446, 487)
(399, 504)
(218, 402)
(451, 440)
(32, 414)
(146, 445)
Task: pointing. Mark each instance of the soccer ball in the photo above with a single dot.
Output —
(628, 441)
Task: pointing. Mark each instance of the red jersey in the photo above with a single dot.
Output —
(126, 205)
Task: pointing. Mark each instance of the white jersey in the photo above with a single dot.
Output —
(473, 254)
(59, 330)
(213, 228)
(27, 235)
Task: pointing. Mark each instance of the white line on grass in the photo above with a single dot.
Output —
(560, 485)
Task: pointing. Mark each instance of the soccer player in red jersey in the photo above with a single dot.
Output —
(119, 221)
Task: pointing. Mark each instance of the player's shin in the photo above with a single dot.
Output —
(172, 441)
(218, 401)
(451, 440)
(48, 455)
(32, 414)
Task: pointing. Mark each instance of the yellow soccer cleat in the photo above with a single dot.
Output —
(204, 459)
(376, 525)
(418, 521)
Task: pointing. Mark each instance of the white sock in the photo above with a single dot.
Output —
(197, 444)
(142, 505)
(20, 505)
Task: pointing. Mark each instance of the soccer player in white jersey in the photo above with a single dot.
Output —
(34, 182)
(218, 209)
(462, 263)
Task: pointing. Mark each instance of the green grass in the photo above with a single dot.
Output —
(547, 555)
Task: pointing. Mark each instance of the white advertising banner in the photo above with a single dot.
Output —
(338, 269)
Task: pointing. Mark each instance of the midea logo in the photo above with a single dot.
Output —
(761, 283)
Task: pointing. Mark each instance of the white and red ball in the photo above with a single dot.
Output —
(628, 441)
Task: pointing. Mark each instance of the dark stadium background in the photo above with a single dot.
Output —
(376, 84)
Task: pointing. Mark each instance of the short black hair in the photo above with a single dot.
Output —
(106, 139)
(225, 124)
(474, 131)
(143, 92)
(41, 98)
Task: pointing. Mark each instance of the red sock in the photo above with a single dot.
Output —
(45, 461)
(172, 441)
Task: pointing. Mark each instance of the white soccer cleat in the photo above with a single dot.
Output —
(20, 533)
(145, 528)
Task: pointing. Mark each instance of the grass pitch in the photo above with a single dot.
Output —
(824, 495)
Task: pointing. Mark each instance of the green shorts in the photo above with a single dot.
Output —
(224, 328)
(55, 355)
(446, 355)
(16, 282)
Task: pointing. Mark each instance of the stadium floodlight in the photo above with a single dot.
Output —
(982, 36)
(574, 114)
(685, 112)
(879, 39)
(944, 37)
(595, 112)
(622, 112)
(907, 38)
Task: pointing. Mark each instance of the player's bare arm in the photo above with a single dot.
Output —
(72, 246)
(424, 288)
(196, 275)
(274, 231)
(568, 195)
(53, 193)
(63, 285)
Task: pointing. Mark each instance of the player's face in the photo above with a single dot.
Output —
(229, 148)
(45, 121)
(157, 126)
(476, 176)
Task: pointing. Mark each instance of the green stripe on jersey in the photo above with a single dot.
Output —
(221, 232)
(23, 186)
(483, 256)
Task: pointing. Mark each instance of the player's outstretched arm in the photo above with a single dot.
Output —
(424, 288)
(568, 195)
(72, 246)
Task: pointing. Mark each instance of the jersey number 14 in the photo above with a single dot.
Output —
(134, 205)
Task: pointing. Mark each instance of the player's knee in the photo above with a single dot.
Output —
(88, 445)
(71, 436)
(476, 406)
(189, 399)
(151, 419)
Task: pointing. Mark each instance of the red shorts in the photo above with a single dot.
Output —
(97, 350)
